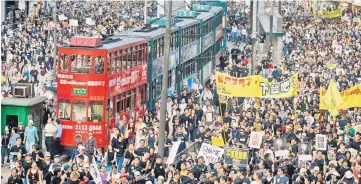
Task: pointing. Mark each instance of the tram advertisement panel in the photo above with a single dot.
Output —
(126, 80)
(78, 132)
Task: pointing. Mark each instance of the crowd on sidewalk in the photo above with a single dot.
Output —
(131, 156)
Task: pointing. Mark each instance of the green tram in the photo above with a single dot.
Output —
(197, 39)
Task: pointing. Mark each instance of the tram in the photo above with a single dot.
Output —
(98, 78)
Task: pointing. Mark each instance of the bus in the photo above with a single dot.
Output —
(99, 79)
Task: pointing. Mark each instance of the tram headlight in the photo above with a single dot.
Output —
(78, 138)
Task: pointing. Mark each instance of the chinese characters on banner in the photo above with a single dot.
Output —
(126, 80)
(217, 141)
(211, 154)
(321, 142)
(94, 172)
(255, 140)
(256, 86)
(236, 157)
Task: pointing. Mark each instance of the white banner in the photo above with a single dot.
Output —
(321, 142)
(73, 22)
(211, 154)
(173, 152)
(94, 172)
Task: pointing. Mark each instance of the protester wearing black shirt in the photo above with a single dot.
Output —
(158, 168)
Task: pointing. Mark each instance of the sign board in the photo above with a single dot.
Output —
(208, 41)
(186, 14)
(73, 22)
(236, 157)
(62, 17)
(89, 21)
(79, 91)
(94, 172)
(201, 8)
(83, 41)
(217, 141)
(173, 152)
(160, 21)
(219, 32)
(304, 152)
(211, 154)
(280, 148)
(255, 140)
(321, 142)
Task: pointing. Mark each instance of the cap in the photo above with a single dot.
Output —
(158, 156)
(136, 173)
(28, 154)
(161, 178)
(86, 165)
(316, 168)
(123, 175)
(66, 166)
(47, 154)
(176, 118)
(335, 173)
(57, 156)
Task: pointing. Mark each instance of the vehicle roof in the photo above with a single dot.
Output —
(23, 102)
(109, 45)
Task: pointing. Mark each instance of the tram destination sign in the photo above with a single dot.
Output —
(79, 91)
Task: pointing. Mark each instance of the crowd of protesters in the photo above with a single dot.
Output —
(131, 156)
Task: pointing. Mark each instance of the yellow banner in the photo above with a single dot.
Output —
(351, 98)
(330, 66)
(217, 141)
(332, 14)
(256, 86)
(333, 98)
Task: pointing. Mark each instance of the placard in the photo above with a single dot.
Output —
(255, 140)
(280, 148)
(321, 142)
(73, 22)
(94, 172)
(217, 141)
(211, 154)
(236, 157)
(173, 152)
(304, 152)
(62, 17)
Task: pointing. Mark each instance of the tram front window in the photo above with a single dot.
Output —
(79, 112)
(95, 112)
(64, 109)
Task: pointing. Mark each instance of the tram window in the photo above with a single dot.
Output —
(64, 109)
(95, 112)
(129, 57)
(161, 47)
(108, 64)
(155, 49)
(79, 112)
(114, 62)
(124, 60)
(140, 54)
(119, 64)
(64, 63)
(81, 64)
(98, 64)
(135, 56)
(73, 63)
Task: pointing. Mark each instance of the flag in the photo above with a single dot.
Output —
(333, 98)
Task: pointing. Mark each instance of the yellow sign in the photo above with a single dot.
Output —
(333, 98)
(330, 66)
(332, 14)
(236, 154)
(256, 86)
(356, 20)
(351, 98)
(217, 141)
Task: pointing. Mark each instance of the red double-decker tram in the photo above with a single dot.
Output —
(97, 79)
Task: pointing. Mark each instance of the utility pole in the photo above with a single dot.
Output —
(254, 35)
(271, 29)
(164, 94)
(280, 7)
(54, 44)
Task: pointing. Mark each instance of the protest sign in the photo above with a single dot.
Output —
(94, 172)
(304, 152)
(351, 98)
(217, 141)
(73, 22)
(321, 142)
(255, 140)
(211, 154)
(173, 152)
(236, 157)
(256, 86)
(279, 146)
